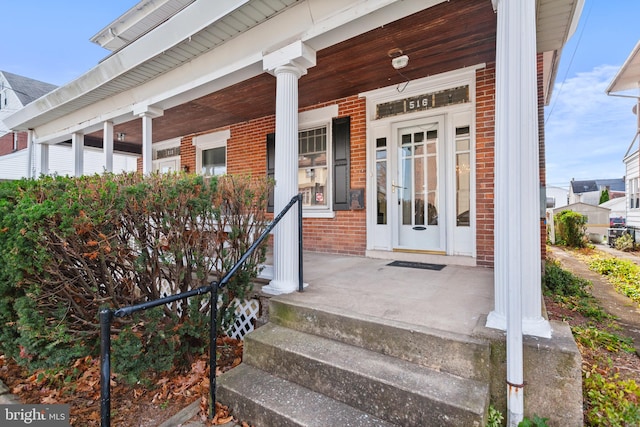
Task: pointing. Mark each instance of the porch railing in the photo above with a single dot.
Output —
(107, 315)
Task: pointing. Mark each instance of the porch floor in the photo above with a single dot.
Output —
(452, 299)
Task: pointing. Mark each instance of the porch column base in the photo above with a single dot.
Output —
(279, 287)
(537, 327)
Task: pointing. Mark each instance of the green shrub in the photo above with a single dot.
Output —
(610, 400)
(571, 291)
(625, 243)
(592, 337)
(536, 421)
(495, 417)
(571, 229)
(71, 246)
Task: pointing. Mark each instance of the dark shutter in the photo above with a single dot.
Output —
(271, 165)
(341, 154)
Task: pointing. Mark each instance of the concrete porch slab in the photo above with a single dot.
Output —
(452, 299)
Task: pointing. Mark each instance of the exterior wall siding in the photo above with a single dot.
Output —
(346, 232)
(247, 153)
(632, 173)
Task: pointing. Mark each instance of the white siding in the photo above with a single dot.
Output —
(632, 175)
(14, 166)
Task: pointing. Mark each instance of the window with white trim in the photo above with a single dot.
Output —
(313, 170)
(634, 194)
(211, 153)
(323, 161)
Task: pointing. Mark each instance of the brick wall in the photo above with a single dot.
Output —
(541, 143)
(6, 142)
(485, 163)
(247, 153)
(346, 232)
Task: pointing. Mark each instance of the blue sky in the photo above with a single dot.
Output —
(587, 132)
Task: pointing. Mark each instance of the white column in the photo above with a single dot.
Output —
(147, 114)
(44, 159)
(30, 171)
(77, 149)
(147, 142)
(517, 202)
(517, 187)
(288, 65)
(107, 146)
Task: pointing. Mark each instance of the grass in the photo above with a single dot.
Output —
(610, 398)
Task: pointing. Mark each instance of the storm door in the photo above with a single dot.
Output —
(417, 187)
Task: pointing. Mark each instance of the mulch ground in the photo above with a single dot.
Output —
(137, 405)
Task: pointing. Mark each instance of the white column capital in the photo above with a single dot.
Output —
(145, 110)
(296, 57)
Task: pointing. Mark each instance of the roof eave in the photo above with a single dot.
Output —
(624, 79)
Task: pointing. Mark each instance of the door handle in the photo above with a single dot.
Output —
(394, 186)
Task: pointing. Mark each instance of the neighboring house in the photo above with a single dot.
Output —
(16, 92)
(626, 84)
(557, 197)
(589, 191)
(402, 123)
(597, 219)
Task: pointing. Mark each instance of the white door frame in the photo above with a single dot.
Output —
(380, 237)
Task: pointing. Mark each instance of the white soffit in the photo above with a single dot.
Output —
(137, 21)
(628, 77)
(556, 21)
(197, 29)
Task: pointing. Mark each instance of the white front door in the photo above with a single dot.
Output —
(418, 208)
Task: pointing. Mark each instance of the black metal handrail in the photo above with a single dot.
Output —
(107, 315)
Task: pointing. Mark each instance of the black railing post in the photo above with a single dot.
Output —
(300, 276)
(106, 316)
(213, 348)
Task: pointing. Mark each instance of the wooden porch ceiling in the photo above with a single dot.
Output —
(448, 36)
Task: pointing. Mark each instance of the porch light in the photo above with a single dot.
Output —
(121, 136)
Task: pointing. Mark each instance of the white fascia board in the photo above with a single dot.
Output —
(177, 29)
(237, 60)
(333, 22)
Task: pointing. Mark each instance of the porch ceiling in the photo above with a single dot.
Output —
(441, 34)
(344, 69)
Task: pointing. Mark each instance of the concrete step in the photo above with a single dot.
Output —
(396, 390)
(267, 401)
(450, 352)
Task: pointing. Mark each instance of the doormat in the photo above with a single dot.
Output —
(423, 265)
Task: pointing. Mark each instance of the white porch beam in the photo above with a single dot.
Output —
(77, 149)
(288, 65)
(107, 146)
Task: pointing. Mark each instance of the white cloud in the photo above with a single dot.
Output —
(587, 132)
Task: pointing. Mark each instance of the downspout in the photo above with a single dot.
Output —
(517, 201)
